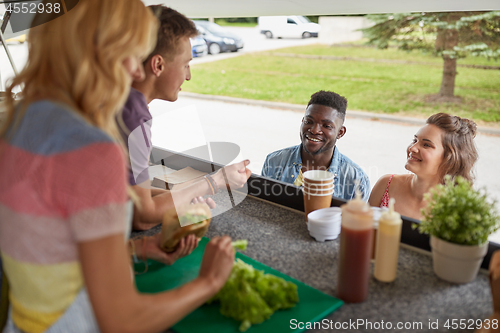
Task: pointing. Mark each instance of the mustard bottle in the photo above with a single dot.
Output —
(387, 248)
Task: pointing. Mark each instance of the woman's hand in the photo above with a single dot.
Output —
(495, 291)
(217, 262)
(233, 176)
(153, 250)
(495, 280)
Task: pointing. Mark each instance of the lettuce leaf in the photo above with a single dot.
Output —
(240, 244)
(189, 218)
(251, 296)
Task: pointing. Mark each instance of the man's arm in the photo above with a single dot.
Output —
(153, 207)
(273, 167)
(157, 191)
(265, 168)
(154, 203)
(365, 187)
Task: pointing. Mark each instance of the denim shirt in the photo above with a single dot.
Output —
(284, 165)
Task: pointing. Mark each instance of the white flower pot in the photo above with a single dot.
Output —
(457, 263)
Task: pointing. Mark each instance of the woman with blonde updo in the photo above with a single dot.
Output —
(63, 187)
(444, 146)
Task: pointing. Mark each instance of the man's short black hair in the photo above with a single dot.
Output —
(173, 26)
(331, 99)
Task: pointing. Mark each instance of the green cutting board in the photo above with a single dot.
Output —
(313, 305)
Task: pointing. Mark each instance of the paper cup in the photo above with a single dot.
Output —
(318, 192)
(316, 201)
(318, 187)
(318, 177)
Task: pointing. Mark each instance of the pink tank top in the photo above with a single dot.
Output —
(385, 198)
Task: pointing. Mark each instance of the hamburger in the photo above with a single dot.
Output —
(179, 222)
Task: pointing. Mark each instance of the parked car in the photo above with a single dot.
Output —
(198, 46)
(288, 26)
(218, 39)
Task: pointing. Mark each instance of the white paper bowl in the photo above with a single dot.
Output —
(324, 224)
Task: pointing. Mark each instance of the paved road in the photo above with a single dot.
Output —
(255, 42)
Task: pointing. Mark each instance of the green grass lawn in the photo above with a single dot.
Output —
(374, 53)
(370, 86)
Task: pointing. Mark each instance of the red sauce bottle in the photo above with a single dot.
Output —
(356, 242)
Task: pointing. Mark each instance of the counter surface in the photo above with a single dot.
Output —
(278, 237)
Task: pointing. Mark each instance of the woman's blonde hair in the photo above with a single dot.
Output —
(77, 59)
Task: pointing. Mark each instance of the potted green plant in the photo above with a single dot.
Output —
(459, 220)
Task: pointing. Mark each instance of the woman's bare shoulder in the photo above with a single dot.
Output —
(384, 180)
(399, 180)
(378, 190)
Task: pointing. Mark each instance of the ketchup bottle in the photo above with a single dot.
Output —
(356, 241)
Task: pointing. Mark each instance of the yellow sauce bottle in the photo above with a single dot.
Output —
(387, 249)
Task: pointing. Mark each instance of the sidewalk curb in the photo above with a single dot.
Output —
(351, 113)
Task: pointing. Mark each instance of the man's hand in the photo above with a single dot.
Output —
(233, 176)
(153, 250)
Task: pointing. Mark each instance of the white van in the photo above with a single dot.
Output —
(287, 26)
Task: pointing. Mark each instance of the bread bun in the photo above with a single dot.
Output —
(175, 228)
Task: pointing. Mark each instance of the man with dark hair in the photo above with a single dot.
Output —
(322, 126)
(167, 66)
(165, 70)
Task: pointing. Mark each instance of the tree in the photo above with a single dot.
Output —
(450, 35)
